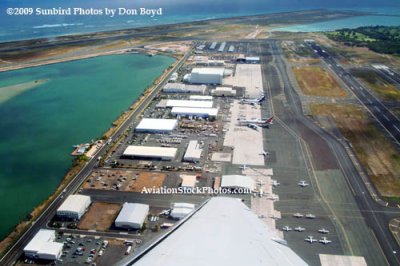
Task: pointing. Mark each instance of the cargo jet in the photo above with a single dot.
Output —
(259, 122)
(253, 101)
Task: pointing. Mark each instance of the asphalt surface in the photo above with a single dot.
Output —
(385, 118)
(376, 216)
(17, 249)
(390, 76)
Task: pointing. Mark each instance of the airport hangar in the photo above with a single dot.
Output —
(154, 125)
(132, 215)
(206, 76)
(150, 152)
(196, 112)
(180, 210)
(184, 88)
(238, 181)
(42, 246)
(193, 152)
(74, 207)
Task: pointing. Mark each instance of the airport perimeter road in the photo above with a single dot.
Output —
(376, 216)
(17, 249)
(390, 75)
(385, 118)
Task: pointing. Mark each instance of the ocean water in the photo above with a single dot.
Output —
(39, 127)
(350, 23)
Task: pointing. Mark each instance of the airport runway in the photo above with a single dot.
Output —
(17, 249)
(384, 117)
(376, 216)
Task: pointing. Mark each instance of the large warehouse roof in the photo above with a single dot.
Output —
(132, 213)
(200, 98)
(237, 181)
(244, 241)
(148, 151)
(42, 246)
(74, 203)
(42, 237)
(188, 103)
(154, 124)
(208, 70)
(193, 151)
(195, 111)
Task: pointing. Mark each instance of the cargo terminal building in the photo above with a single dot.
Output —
(153, 125)
(150, 153)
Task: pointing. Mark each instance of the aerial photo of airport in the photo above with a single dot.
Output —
(211, 133)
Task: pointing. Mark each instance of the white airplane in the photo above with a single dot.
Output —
(302, 183)
(273, 197)
(310, 216)
(287, 228)
(299, 229)
(264, 153)
(275, 183)
(253, 101)
(274, 217)
(253, 126)
(325, 241)
(298, 215)
(323, 231)
(243, 167)
(265, 122)
(310, 239)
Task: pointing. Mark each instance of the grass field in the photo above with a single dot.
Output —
(375, 152)
(315, 81)
(385, 90)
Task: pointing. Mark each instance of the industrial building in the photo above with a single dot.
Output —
(188, 181)
(231, 49)
(238, 181)
(184, 103)
(184, 88)
(148, 152)
(195, 112)
(222, 47)
(224, 92)
(213, 45)
(132, 215)
(181, 210)
(235, 229)
(74, 207)
(200, 98)
(206, 75)
(193, 152)
(154, 125)
(42, 246)
(253, 60)
(174, 77)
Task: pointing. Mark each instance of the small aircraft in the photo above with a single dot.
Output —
(325, 241)
(323, 231)
(299, 229)
(287, 228)
(243, 167)
(298, 215)
(303, 183)
(253, 101)
(253, 126)
(310, 216)
(275, 183)
(274, 217)
(264, 153)
(310, 239)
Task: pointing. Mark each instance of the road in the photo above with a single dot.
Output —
(376, 216)
(17, 249)
(384, 117)
(389, 75)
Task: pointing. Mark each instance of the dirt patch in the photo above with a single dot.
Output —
(315, 81)
(376, 153)
(100, 216)
(146, 180)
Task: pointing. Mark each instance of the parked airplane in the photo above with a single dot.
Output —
(253, 126)
(253, 101)
(325, 241)
(264, 153)
(275, 183)
(310, 216)
(310, 239)
(273, 197)
(298, 215)
(299, 229)
(287, 228)
(274, 217)
(265, 122)
(243, 167)
(303, 183)
(323, 231)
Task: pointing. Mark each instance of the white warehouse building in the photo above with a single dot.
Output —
(150, 152)
(180, 210)
(189, 103)
(42, 246)
(74, 207)
(154, 125)
(184, 88)
(196, 112)
(223, 91)
(206, 76)
(193, 152)
(132, 215)
(238, 181)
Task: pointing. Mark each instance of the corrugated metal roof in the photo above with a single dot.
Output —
(157, 124)
(208, 70)
(193, 151)
(150, 151)
(132, 213)
(225, 225)
(75, 203)
(41, 237)
(239, 181)
(194, 111)
(188, 103)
